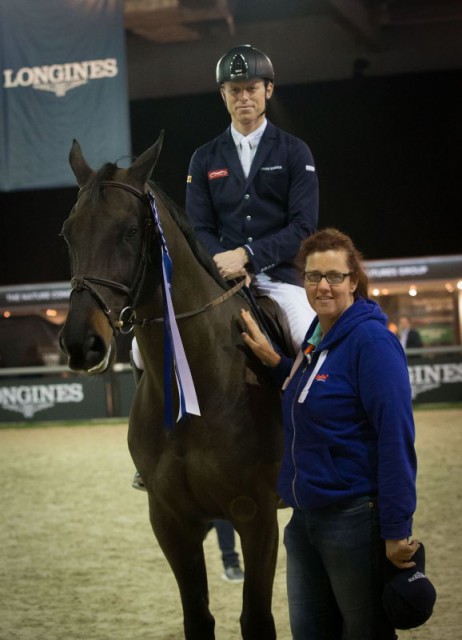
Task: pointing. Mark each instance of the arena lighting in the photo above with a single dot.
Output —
(375, 292)
(412, 290)
(51, 313)
(7, 314)
(459, 285)
(385, 292)
(449, 288)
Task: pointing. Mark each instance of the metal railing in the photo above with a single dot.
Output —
(125, 366)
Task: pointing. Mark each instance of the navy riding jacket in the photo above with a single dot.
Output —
(269, 213)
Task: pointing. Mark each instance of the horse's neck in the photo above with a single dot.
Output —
(192, 286)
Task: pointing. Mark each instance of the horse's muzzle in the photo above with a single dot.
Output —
(87, 339)
(91, 356)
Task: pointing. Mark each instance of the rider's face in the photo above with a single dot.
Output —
(246, 100)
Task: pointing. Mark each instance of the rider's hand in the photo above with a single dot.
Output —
(400, 552)
(231, 264)
(257, 342)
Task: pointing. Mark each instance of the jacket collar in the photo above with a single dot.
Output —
(264, 147)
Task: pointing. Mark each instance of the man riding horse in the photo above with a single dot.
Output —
(252, 192)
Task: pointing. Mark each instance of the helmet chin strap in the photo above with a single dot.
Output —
(267, 82)
(266, 105)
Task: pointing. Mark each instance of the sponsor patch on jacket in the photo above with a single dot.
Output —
(189, 179)
(276, 167)
(218, 173)
(309, 167)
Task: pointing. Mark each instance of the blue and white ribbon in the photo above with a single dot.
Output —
(173, 346)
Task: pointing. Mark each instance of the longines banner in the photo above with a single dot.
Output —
(65, 396)
(63, 76)
(69, 396)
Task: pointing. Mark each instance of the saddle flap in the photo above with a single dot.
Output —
(273, 322)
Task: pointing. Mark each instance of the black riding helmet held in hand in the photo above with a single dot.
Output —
(244, 63)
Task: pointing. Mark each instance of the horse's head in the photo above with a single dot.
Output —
(109, 237)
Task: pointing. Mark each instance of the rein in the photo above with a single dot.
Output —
(146, 322)
(127, 317)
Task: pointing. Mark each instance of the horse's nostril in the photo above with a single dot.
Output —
(95, 349)
(86, 352)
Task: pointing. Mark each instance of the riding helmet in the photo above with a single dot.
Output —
(244, 63)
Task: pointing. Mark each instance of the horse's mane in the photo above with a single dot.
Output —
(178, 214)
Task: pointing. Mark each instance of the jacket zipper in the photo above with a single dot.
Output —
(292, 448)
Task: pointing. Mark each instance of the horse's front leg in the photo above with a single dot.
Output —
(259, 543)
(181, 541)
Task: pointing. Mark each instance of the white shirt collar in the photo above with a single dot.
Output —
(253, 138)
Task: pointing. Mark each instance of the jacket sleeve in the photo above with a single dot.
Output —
(301, 214)
(279, 373)
(199, 206)
(386, 396)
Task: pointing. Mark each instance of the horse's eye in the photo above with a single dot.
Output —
(131, 232)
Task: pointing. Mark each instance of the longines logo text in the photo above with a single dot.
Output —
(28, 400)
(60, 78)
(427, 377)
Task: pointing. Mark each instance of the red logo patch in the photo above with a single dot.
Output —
(321, 377)
(218, 173)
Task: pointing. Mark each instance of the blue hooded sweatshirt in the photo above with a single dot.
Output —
(349, 430)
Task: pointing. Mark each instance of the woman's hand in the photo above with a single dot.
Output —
(257, 342)
(400, 552)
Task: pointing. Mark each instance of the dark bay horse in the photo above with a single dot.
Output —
(221, 464)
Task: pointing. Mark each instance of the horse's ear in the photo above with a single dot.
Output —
(143, 166)
(79, 166)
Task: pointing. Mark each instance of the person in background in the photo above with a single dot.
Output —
(409, 337)
(229, 556)
(252, 192)
(349, 463)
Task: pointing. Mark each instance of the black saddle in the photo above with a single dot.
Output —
(271, 320)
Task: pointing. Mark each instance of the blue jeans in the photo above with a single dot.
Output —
(226, 542)
(335, 567)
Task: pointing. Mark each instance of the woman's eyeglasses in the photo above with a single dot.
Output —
(332, 277)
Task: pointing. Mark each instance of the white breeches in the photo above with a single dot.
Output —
(136, 355)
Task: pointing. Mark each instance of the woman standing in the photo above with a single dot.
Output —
(349, 464)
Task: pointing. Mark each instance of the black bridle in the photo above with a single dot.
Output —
(127, 317)
(85, 282)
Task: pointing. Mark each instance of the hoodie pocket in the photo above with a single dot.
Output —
(319, 470)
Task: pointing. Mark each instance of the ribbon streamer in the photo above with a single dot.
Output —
(173, 345)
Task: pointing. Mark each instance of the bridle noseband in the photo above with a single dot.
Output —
(127, 317)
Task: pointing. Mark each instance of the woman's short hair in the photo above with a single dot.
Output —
(331, 239)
